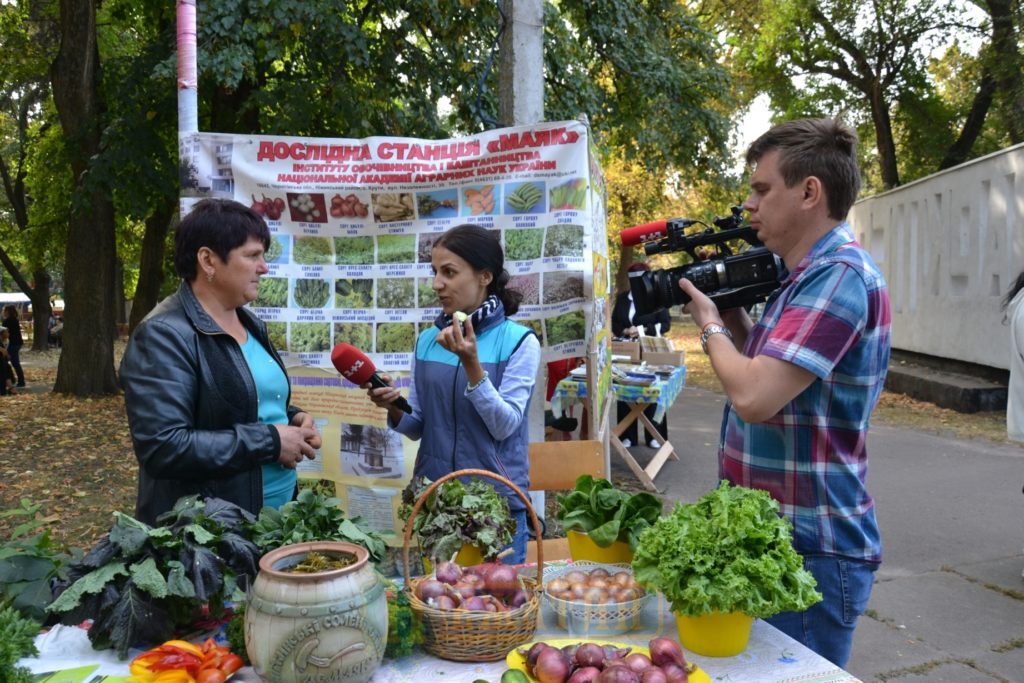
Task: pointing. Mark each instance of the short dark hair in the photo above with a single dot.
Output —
(823, 148)
(218, 224)
(481, 249)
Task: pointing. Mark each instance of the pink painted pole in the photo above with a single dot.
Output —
(188, 80)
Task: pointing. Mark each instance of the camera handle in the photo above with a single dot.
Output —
(677, 240)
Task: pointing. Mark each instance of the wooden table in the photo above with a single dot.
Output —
(661, 393)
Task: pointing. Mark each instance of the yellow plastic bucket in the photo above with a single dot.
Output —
(582, 548)
(715, 634)
(469, 556)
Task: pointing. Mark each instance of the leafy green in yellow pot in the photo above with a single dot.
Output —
(729, 552)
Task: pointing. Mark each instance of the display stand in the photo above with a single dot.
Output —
(662, 393)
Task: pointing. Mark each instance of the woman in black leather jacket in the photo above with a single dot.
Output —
(207, 395)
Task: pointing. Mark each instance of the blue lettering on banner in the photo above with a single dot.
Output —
(311, 316)
(313, 271)
(310, 230)
(522, 267)
(564, 219)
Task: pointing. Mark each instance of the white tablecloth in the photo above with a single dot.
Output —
(771, 656)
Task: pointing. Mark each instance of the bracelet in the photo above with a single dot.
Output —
(472, 387)
(713, 322)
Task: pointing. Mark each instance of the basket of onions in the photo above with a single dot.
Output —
(590, 598)
(474, 614)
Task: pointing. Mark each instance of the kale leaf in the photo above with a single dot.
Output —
(596, 508)
(139, 584)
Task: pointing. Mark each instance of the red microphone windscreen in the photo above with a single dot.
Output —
(643, 233)
(353, 364)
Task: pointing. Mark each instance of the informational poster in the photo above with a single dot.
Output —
(353, 223)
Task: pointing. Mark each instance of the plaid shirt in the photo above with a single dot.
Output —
(830, 317)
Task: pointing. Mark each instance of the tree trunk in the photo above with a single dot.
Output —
(1007, 66)
(87, 361)
(883, 137)
(151, 262)
(960, 150)
(41, 310)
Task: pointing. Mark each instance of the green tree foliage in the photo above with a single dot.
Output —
(872, 64)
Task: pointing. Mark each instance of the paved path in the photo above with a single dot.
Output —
(948, 603)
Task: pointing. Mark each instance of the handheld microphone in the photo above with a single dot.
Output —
(357, 368)
(644, 233)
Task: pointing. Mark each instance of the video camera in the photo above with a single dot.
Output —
(730, 280)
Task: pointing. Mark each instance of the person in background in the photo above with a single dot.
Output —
(15, 341)
(1013, 305)
(801, 384)
(472, 381)
(6, 371)
(207, 396)
(626, 324)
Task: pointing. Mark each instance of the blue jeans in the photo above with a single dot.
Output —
(827, 627)
(519, 539)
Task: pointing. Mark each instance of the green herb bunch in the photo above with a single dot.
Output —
(30, 560)
(17, 635)
(728, 552)
(140, 583)
(458, 514)
(606, 514)
(313, 516)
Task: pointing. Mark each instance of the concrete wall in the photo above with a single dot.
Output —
(950, 246)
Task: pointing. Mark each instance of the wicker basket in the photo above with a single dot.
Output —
(582, 619)
(464, 636)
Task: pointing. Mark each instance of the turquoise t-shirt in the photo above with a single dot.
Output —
(272, 393)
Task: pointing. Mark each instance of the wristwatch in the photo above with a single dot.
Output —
(710, 330)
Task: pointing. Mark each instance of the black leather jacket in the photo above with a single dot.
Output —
(192, 408)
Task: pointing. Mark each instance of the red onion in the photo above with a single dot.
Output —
(675, 673)
(464, 589)
(442, 602)
(448, 572)
(552, 666)
(638, 661)
(612, 652)
(502, 579)
(664, 650)
(653, 675)
(532, 654)
(518, 599)
(475, 604)
(589, 654)
(618, 674)
(429, 588)
(587, 674)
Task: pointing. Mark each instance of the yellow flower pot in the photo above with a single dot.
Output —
(582, 548)
(469, 556)
(715, 634)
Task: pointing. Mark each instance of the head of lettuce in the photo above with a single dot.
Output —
(728, 552)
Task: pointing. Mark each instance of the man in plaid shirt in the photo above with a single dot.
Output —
(803, 381)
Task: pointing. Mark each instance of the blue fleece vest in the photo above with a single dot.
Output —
(454, 436)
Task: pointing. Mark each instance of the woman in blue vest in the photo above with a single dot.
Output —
(472, 381)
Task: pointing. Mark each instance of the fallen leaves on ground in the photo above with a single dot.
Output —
(72, 456)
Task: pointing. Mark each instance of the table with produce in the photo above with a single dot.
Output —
(639, 387)
(649, 596)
